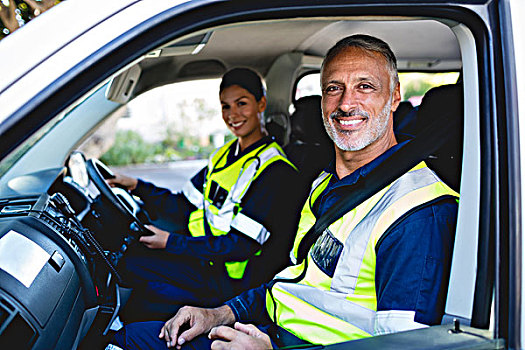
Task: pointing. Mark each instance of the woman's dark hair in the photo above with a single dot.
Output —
(245, 78)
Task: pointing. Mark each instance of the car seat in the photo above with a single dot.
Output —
(445, 102)
(310, 147)
(278, 126)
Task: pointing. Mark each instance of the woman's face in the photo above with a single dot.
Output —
(242, 113)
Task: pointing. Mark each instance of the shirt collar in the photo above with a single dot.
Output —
(362, 171)
(231, 153)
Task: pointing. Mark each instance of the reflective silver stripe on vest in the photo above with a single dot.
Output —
(391, 321)
(293, 259)
(210, 158)
(250, 228)
(315, 184)
(246, 177)
(219, 222)
(345, 276)
(319, 181)
(222, 220)
(334, 304)
(193, 194)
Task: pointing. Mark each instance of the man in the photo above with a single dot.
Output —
(383, 267)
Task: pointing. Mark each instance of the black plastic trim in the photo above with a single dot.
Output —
(485, 274)
(510, 180)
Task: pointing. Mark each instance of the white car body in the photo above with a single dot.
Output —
(57, 50)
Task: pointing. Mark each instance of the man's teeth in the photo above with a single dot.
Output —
(236, 124)
(350, 122)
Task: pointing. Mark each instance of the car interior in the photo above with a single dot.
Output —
(49, 189)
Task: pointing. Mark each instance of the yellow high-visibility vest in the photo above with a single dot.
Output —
(336, 300)
(224, 188)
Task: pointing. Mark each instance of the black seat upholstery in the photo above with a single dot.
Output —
(445, 102)
(310, 147)
(278, 126)
(403, 115)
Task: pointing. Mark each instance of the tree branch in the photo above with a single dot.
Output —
(8, 16)
(40, 6)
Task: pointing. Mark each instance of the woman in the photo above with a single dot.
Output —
(234, 220)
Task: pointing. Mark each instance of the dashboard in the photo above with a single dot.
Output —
(59, 253)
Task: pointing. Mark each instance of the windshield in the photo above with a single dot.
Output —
(17, 153)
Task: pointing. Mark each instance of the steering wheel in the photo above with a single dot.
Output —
(119, 198)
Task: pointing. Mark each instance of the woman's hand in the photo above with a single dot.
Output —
(129, 183)
(158, 240)
(197, 320)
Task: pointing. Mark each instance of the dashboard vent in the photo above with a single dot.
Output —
(15, 331)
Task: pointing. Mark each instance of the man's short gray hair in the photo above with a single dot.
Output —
(368, 43)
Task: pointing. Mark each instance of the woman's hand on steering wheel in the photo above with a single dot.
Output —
(123, 181)
(103, 179)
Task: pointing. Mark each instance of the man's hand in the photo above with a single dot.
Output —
(158, 240)
(197, 320)
(129, 183)
(244, 336)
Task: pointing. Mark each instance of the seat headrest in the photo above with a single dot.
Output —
(278, 126)
(435, 103)
(307, 121)
(439, 100)
(445, 103)
(404, 115)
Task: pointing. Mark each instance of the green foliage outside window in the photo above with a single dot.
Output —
(130, 148)
(416, 84)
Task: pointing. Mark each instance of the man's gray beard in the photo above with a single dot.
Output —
(371, 134)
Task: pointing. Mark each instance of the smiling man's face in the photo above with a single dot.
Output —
(357, 99)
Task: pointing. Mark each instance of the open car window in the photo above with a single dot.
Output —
(413, 84)
(170, 129)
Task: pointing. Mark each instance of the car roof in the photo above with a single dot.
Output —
(432, 46)
(419, 44)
